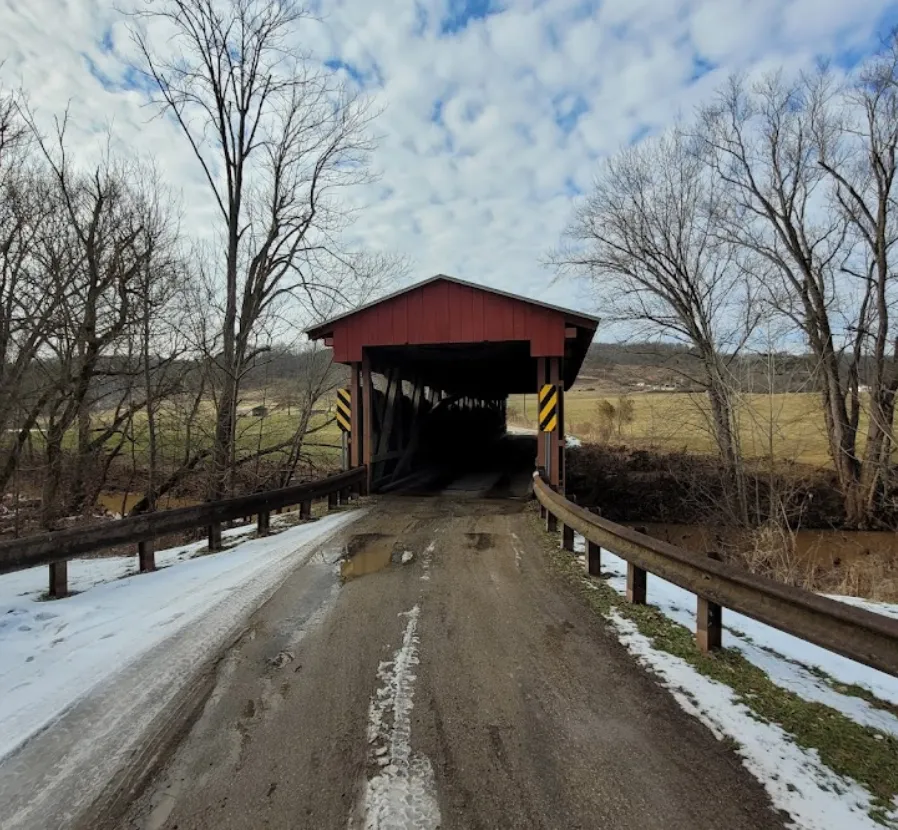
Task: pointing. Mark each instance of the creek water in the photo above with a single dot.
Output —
(827, 548)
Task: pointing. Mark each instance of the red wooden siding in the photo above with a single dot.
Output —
(446, 312)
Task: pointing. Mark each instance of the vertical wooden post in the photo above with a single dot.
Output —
(355, 421)
(263, 526)
(215, 536)
(367, 421)
(542, 512)
(556, 445)
(540, 439)
(305, 510)
(59, 579)
(636, 584)
(332, 500)
(551, 522)
(567, 537)
(709, 628)
(146, 557)
(593, 559)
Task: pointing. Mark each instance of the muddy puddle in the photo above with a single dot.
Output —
(481, 541)
(367, 553)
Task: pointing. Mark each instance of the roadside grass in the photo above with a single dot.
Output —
(854, 690)
(853, 751)
(675, 421)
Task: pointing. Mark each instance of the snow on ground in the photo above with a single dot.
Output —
(402, 793)
(85, 573)
(796, 779)
(571, 440)
(56, 652)
(787, 660)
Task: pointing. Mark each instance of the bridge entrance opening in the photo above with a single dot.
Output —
(432, 368)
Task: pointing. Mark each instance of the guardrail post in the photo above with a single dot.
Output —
(215, 536)
(263, 524)
(709, 619)
(551, 522)
(636, 582)
(59, 579)
(709, 628)
(332, 500)
(146, 557)
(593, 559)
(567, 537)
(305, 510)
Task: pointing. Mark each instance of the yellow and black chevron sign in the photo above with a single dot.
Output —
(344, 410)
(548, 408)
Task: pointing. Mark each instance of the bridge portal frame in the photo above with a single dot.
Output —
(459, 346)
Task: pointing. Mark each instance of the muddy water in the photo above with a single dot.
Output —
(822, 547)
(113, 500)
(366, 553)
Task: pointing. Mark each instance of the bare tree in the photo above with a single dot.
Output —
(766, 143)
(276, 140)
(863, 168)
(106, 244)
(645, 239)
(30, 299)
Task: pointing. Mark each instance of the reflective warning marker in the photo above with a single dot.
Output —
(344, 410)
(548, 408)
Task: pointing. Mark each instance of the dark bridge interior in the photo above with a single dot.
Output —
(432, 367)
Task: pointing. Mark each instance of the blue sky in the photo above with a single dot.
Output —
(495, 112)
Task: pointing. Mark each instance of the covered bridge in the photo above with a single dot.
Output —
(451, 352)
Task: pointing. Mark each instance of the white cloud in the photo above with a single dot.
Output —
(485, 190)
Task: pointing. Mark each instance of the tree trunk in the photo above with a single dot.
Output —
(52, 476)
(724, 425)
(152, 457)
(223, 449)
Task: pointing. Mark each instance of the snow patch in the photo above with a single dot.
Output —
(86, 573)
(517, 550)
(426, 560)
(790, 662)
(402, 792)
(56, 653)
(796, 780)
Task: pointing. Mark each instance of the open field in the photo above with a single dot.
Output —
(792, 423)
(254, 433)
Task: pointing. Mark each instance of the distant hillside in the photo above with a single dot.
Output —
(671, 367)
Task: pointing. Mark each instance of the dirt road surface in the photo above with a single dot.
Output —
(465, 688)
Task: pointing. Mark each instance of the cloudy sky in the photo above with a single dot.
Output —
(496, 111)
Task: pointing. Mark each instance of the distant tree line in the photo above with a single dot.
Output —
(751, 369)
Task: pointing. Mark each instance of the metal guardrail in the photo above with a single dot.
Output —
(853, 632)
(54, 548)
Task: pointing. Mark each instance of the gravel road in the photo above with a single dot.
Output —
(465, 688)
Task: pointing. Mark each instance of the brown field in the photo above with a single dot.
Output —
(788, 426)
